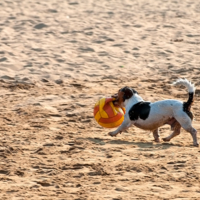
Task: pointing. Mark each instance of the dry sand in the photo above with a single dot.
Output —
(57, 58)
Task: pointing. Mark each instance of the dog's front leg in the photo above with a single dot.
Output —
(126, 124)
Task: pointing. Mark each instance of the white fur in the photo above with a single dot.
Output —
(190, 87)
(161, 112)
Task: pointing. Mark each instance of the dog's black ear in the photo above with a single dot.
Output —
(134, 91)
(128, 93)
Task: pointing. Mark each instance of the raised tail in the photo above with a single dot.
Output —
(191, 90)
(190, 87)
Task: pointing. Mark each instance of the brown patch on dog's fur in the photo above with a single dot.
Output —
(118, 98)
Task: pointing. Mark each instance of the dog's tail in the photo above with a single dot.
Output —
(191, 90)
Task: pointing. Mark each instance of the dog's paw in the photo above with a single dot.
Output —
(166, 139)
(112, 134)
(157, 140)
(196, 144)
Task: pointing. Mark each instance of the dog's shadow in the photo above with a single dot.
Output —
(143, 146)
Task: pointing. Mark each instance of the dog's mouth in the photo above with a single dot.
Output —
(116, 101)
(115, 96)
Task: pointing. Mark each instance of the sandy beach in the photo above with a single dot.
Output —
(57, 58)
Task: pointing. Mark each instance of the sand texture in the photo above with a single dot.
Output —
(57, 58)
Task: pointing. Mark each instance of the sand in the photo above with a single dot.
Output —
(57, 58)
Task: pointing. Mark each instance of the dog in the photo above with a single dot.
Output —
(151, 116)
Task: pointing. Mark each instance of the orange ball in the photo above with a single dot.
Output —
(107, 114)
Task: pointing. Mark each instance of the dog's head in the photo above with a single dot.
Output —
(122, 95)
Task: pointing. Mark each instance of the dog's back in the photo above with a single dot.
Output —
(160, 113)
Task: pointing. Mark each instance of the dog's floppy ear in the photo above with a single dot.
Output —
(128, 92)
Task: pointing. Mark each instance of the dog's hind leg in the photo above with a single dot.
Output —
(156, 135)
(177, 130)
(193, 133)
(186, 122)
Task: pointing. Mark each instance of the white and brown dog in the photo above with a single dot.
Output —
(151, 116)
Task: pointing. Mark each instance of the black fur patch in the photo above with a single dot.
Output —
(187, 105)
(128, 92)
(140, 110)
